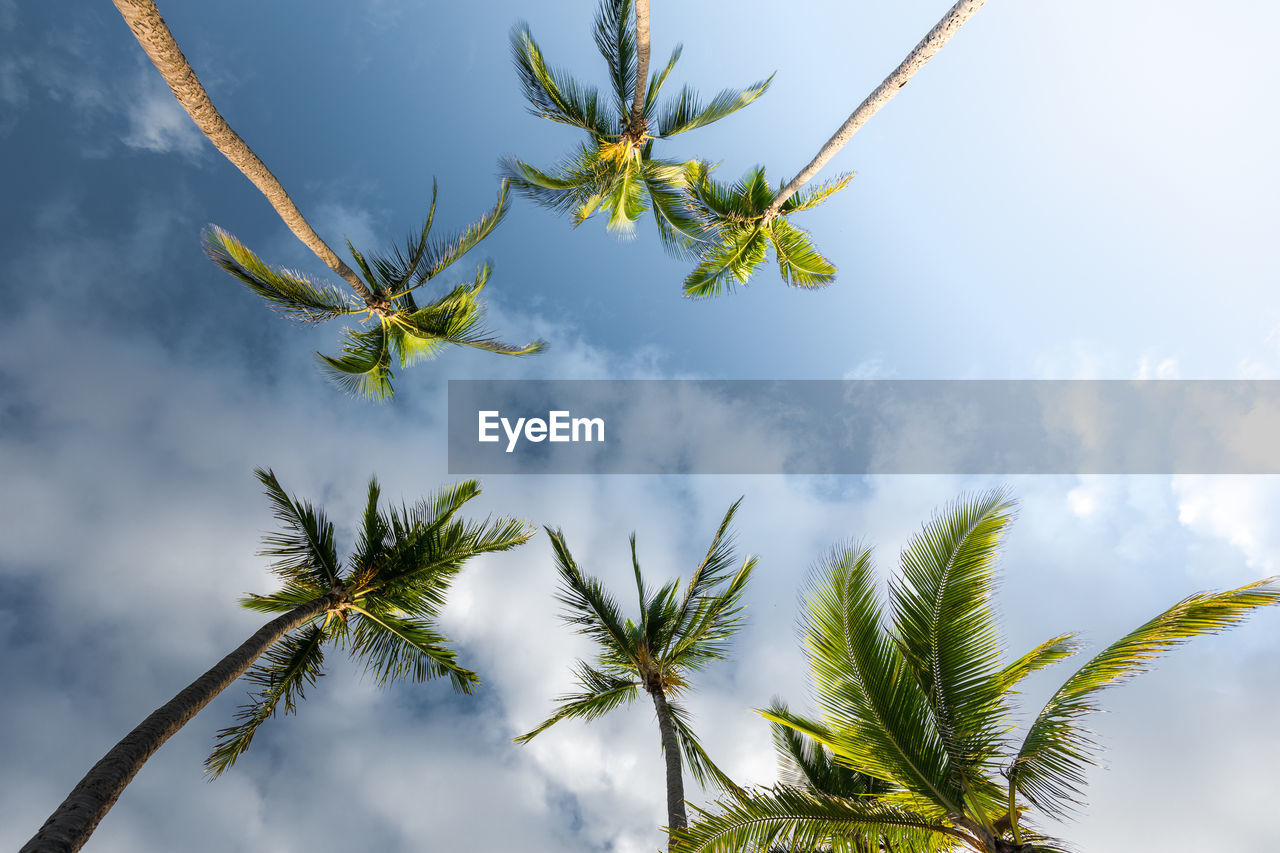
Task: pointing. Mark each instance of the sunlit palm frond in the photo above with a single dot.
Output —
(656, 82)
(281, 677)
(303, 552)
(795, 820)
(601, 693)
(687, 112)
(554, 95)
(805, 763)
(363, 369)
(394, 647)
(946, 627)
(811, 196)
(737, 254)
(616, 41)
(1050, 766)
(799, 263)
(291, 293)
(292, 594)
(441, 253)
(878, 718)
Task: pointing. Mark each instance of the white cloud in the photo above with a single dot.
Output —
(157, 123)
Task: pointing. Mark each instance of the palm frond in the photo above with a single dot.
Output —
(682, 233)
(790, 819)
(281, 675)
(601, 693)
(812, 195)
(656, 82)
(395, 647)
(799, 263)
(1050, 766)
(292, 594)
(879, 720)
(372, 541)
(291, 293)
(736, 255)
(804, 762)
(688, 113)
(700, 765)
(440, 254)
(944, 621)
(303, 552)
(364, 367)
(588, 606)
(1046, 654)
(616, 41)
(626, 199)
(554, 95)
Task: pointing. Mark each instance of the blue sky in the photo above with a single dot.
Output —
(1063, 193)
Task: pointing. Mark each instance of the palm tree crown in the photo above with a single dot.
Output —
(921, 699)
(677, 633)
(382, 603)
(614, 171)
(738, 223)
(405, 331)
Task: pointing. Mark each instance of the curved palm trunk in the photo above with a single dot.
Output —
(153, 34)
(676, 817)
(642, 65)
(70, 826)
(923, 52)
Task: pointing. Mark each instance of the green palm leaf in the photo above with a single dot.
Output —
(731, 260)
(810, 197)
(616, 41)
(799, 263)
(304, 552)
(440, 254)
(396, 647)
(282, 675)
(291, 293)
(601, 693)
(688, 113)
(553, 95)
(364, 367)
(1050, 766)
(795, 820)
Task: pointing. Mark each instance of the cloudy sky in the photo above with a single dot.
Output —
(1081, 191)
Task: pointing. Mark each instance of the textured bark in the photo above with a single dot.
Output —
(923, 52)
(642, 66)
(153, 34)
(70, 826)
(676, 818)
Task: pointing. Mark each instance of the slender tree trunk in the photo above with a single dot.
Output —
(642, 65)
(153, 34)
(68, 828)
(676, 818)
(923, 52)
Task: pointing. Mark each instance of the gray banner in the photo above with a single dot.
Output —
(863, 427)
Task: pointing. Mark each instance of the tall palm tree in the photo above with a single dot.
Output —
(920, 698)
(676, 634)
(383, 287)
(615, 170)
(382, 605)
(738, 224)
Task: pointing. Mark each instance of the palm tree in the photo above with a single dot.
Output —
(921, 699)
(382, 291)
(738, 223)
(615, 171)
(382, 605)
(676, 634)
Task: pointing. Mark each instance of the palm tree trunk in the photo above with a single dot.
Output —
(642, 65)
(153, 34)
(676, 818)
(923, 52)
(70, 826)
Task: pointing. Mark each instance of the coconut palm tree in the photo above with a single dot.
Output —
(615, 170)
(382, 289)
(676, 634)
(382, 605)
(921, 699)
(738, 223)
